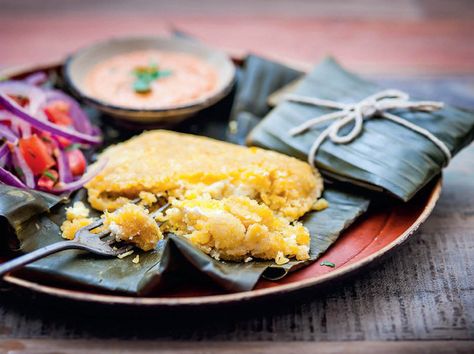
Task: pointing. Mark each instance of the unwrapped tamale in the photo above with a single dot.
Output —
(233, 202)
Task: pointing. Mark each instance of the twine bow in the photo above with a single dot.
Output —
(376, 105)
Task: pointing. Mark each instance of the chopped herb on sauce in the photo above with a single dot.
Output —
(145, 75)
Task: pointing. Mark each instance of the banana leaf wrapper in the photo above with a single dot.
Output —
(17, 207)
(386, 156)
(256, 81)
(173, 257)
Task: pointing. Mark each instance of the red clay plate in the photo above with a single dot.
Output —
(377, 233)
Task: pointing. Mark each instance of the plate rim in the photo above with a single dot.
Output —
(221, 299)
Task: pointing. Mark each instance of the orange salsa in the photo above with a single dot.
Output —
(188, 79)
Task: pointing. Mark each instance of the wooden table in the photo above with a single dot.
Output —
(424, 292)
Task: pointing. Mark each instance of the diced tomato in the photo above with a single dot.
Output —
(77, 162)
(36, 154)
(63, 142)
(6, 122)
(58, 113)
(48, 179)
(22, 101)
(48, 142)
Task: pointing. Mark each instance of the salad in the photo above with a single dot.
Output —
(42, 132)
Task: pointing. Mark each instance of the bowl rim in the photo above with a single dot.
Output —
(190, 107)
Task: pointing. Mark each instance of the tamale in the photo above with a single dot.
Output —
(233, 202)
(386, 156)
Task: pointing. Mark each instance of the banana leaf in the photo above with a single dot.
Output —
(17, 206)
(173, 256)
(386, 156)
(31, 220)
(257, 80)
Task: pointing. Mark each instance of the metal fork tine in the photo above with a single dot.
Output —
(103, 234)
(160, 210)
(100, 221)
(85, 237)
(94, 225)
(123, 250)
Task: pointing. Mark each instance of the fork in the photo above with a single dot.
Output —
(84, 240)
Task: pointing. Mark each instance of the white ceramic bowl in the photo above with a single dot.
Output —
(79, 64)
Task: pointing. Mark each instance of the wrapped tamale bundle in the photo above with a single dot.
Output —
(386, 155)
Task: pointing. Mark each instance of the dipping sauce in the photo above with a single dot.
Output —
(180, 78)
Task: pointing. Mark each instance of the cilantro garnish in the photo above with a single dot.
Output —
(45, 139)
(19, 171)
(145, 75)
(74, 146)
(50, 176)
(327, 264)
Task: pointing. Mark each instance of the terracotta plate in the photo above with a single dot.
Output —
(381, 230)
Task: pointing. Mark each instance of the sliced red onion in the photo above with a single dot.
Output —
(80, 120)
(19, 162)
(6, 133)
(20, 88)
(25, 130)
(4, 160)
(64, 171)
(96, 130)
(91, 173)
(36, 79)
(35, 95)
(4, 155)
(21, 121)
(9, 178)
(4, 150)
(6, 116)
(75, 136)
(16, 126)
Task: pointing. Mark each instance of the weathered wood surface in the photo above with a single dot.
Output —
(143, 347)
(368, 35)
(425, 290)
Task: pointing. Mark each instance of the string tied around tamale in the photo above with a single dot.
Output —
(376, 105)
